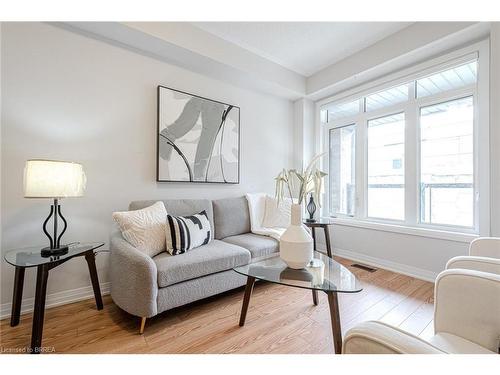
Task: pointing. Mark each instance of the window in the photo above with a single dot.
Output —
(386, 98)
(386, 178)
(341, 110)
(404, 152)
(342, 166)
(447, 163)
(454, 78)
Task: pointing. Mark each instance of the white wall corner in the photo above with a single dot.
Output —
(1, 117)
(304, 133)
(495, 128)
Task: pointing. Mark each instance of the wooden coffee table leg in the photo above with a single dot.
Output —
(315, 297)
(335, 318)
(246, 299)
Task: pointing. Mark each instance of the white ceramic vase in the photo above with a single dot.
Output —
(296, 244)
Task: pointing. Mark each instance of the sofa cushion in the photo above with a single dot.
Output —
(180, 207)
(231, 217)
(214, 257)
(257, 245)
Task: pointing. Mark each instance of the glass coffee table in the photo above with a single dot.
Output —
(322, 274)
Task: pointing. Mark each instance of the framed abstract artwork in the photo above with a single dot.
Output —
(198, 139)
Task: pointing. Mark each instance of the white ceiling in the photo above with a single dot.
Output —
(304, 47)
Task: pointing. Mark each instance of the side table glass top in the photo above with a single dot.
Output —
(323, 274)
(319, 222)
(32, 257)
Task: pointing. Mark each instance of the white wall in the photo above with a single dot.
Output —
(417, 256)
(66, 96)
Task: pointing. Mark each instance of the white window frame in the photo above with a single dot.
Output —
(411, 108)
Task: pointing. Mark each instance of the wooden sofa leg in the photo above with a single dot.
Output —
(143, 324)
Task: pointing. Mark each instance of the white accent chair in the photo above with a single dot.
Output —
(484, 255)
(466, 320)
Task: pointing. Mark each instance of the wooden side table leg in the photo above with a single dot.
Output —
(17, 297)
(313, 233)
(327, 241)
(42, 275)
(315, 297)
(246, 299)
(90, 258)
(335, 318)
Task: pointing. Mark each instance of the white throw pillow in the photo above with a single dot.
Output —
(144, 229)
(277, 215)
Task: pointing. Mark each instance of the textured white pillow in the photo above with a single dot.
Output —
(277, 215)
(144, 229)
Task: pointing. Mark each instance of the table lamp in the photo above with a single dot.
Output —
(55, 180)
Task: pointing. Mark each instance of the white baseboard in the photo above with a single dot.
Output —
(404, 269)
(56, 299)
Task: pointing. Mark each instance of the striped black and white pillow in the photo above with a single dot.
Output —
(187, 232)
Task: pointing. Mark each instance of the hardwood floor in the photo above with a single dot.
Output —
(280, 320)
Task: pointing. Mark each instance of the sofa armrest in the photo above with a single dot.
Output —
(475, 263)
(133, 275)
(467, 305)
(380, 338)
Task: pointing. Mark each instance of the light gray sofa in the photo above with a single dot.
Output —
(145, 286)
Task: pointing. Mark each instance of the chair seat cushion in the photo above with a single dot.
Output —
(456, 345)
(257, 245)
(216, 256)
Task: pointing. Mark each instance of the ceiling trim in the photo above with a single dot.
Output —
(192, 48)
(188, 47)
(412, 45)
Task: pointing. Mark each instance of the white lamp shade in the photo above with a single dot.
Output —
(53, 179)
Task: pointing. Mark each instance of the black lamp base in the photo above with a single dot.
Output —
(310, 220)
(48, 252)
(55, 248)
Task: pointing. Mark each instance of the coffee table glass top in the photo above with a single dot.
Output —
(322, 274)
(31, 256)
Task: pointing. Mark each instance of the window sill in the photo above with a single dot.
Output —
(412, 231)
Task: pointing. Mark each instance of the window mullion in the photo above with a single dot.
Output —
(361, 173)
(411, 159)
